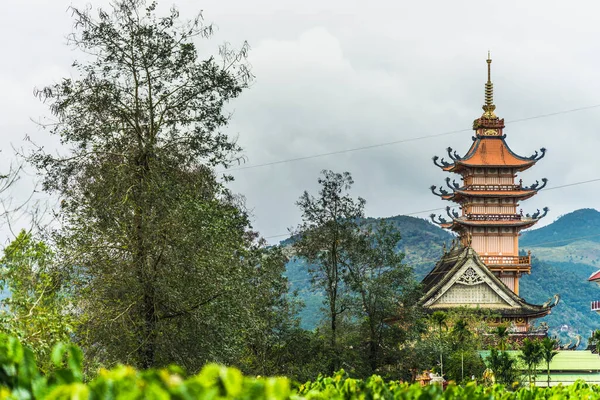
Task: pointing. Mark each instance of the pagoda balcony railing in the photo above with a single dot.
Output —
(494, 217)
(521, 261)
(493, 188)
(596, 305)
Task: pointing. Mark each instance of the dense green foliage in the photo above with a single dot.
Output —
(21, 379)
(531, 355)
(36, 310)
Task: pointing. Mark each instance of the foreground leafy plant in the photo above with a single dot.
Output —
(21, 379)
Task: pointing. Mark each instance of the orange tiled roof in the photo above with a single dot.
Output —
(496, 193)
(492, 152)
(462, 194)
(516, 222)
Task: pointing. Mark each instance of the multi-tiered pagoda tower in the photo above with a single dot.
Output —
(488, 224)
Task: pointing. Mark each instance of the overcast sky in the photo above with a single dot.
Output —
(334, 75)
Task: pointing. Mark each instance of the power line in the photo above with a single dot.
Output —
(444, 208)
(373, 146)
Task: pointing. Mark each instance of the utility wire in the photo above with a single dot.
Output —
(453, 207)
(373, 146)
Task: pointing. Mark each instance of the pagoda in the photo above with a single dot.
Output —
(484, 266)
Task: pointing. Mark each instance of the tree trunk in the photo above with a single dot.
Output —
(373, 355)
(147, 332)
(333, 305)
(334, 356)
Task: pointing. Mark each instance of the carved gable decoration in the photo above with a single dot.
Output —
(470, 277)
(471, 286)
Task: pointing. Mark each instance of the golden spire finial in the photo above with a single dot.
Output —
(489, 106)
(489, 63)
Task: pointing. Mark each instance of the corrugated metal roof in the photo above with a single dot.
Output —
(565, 360)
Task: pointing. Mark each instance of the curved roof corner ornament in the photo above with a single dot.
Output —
(537, 156)
(442, 163)
(452, 214)
(443, 192)
(536, 185)
(454, 185)
(552, 301)
(537, 215)
(453, 154)
(543, 151)
(441, 220)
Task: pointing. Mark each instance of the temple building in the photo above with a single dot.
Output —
(483, 268)
(595, 277)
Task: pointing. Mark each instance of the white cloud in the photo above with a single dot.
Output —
(334, 75)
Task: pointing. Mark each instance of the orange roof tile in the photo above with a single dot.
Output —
(491, 152)
(496, 193)
(517, 223)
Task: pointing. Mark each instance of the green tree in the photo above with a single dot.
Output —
(438, 319)
(326, 237)
(548, 351)
(162, 248)
(531, 354)
(501, 332)
(272, 324)
(36, 309)
(461, 334)
(504, 367)
(384, 291)
(595, 338)
(465, 339)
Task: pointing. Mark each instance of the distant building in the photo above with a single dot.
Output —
(483, 267)
(565, 368)
(595, 303)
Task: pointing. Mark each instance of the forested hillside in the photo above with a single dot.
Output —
(564, 257)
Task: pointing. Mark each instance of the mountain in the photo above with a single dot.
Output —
(565, 253)
(579, 225)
